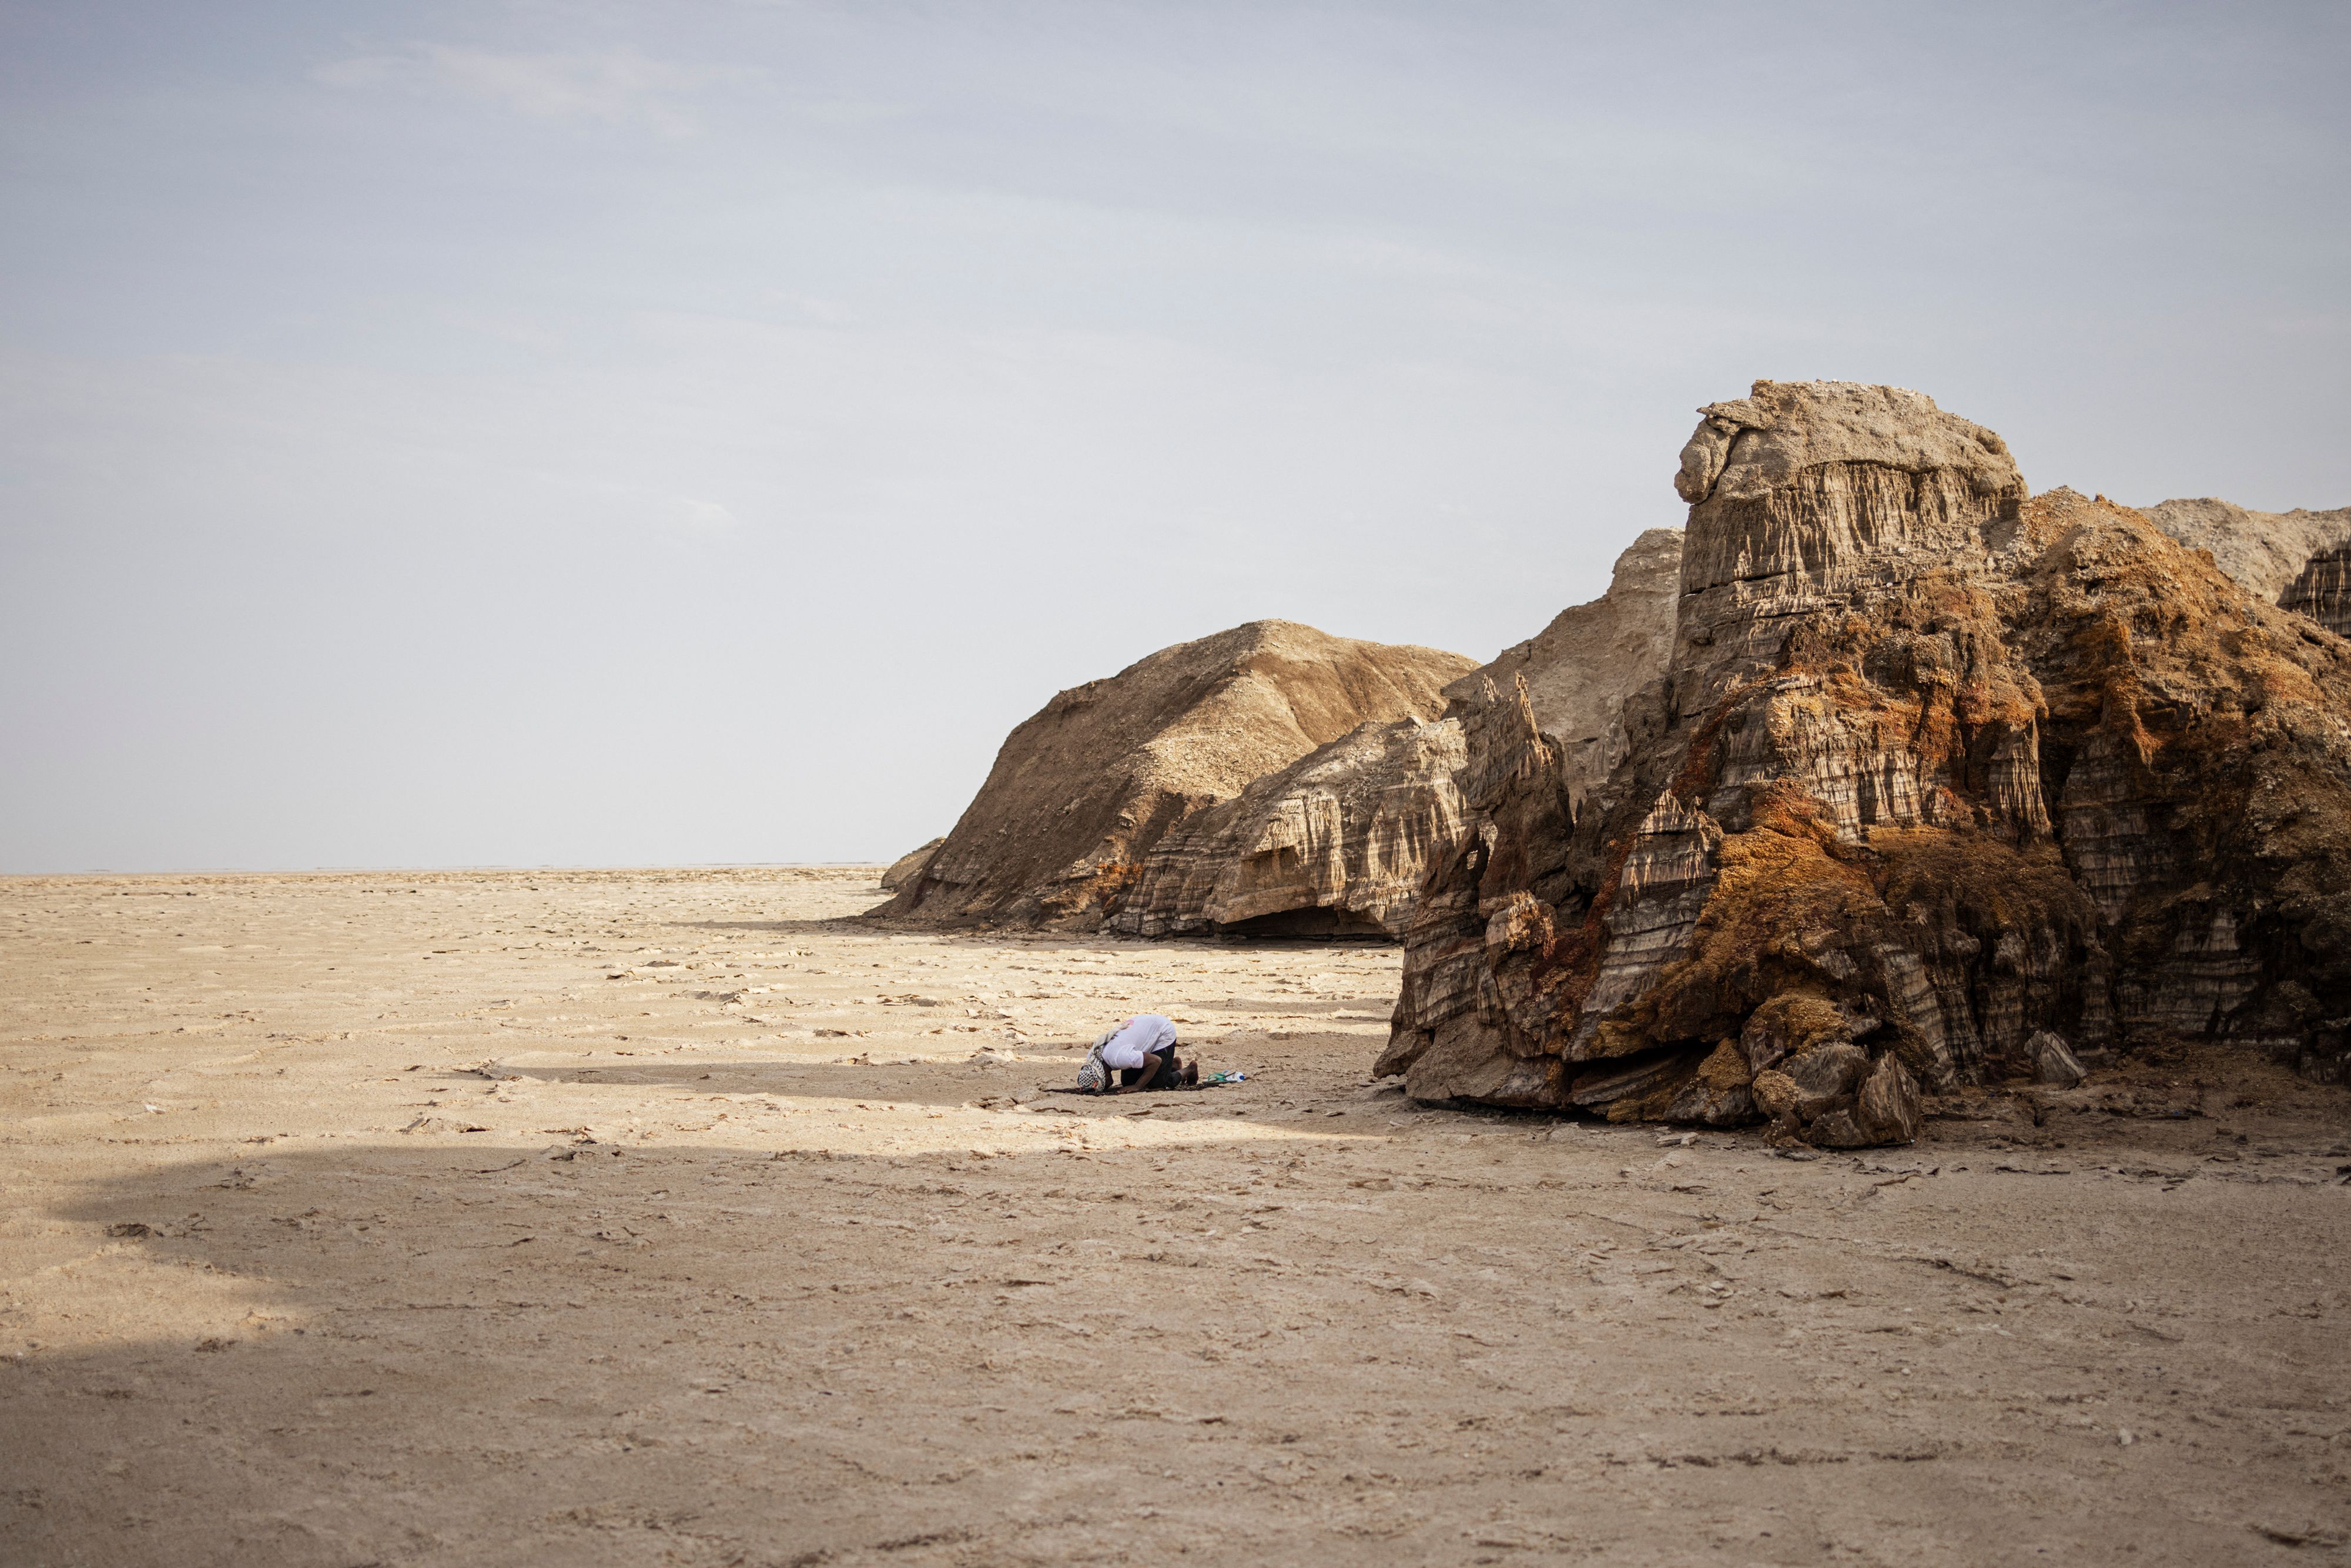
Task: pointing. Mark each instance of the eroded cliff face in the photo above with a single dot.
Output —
(1083, 791)
(1336, 844)
(1583, 670)
(2322, 591)
(1340, 842)
(1936, 769)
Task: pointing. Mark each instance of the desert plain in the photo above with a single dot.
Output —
(682, 1218)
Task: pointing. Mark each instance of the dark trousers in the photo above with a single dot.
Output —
(1160, 1061)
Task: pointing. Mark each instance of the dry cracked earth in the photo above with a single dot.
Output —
(636, 1218)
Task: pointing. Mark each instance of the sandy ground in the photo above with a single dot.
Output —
(634, 1217)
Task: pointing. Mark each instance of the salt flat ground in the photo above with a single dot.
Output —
(668, 1216)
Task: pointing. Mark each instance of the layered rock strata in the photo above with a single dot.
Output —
(1594, 659)
(1936, 768)
(1337, 843)
(1082, 791)
(2322, 591)
(1340, 842)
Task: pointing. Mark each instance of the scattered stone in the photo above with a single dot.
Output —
(583, 1148)
(2053, 1061)
(1824, 1076)
(1837, 1130)
(1887, 1109)
(2305, 1537)
(1790, 1023)
(1718, 1094)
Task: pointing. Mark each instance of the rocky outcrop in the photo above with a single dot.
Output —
(2322, 591)
(1936, 769)
(909, 866)
(1340, 842)
(1082, 791)
(1337, 843)
(1594, 659)
(2299, 560)
(2264, 551)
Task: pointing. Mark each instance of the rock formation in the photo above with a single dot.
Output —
(2322, 591)
(1334, 844)
(2264, 551)
(1340, 842)
(1082, 791)
(2299, 560)
(1592, 659)
(1935, 770)
(909, 866)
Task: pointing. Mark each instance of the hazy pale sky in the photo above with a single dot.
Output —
(619, 434)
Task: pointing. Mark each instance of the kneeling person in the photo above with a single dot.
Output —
(1143, 1051)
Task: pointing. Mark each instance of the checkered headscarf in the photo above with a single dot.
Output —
(1094, 1076)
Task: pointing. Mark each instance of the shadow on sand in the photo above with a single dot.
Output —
(571, 1354)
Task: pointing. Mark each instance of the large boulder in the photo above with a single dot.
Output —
(1082, 793)
(1935, 765)
(1340, 842)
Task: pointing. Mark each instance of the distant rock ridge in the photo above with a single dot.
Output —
(1340, 842)
(1941, 783)
(909, 866)
(2267, 552)
(1082, 791)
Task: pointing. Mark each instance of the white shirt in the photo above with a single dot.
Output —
(1137, 1038)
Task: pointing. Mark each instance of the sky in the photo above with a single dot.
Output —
(607, 434)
